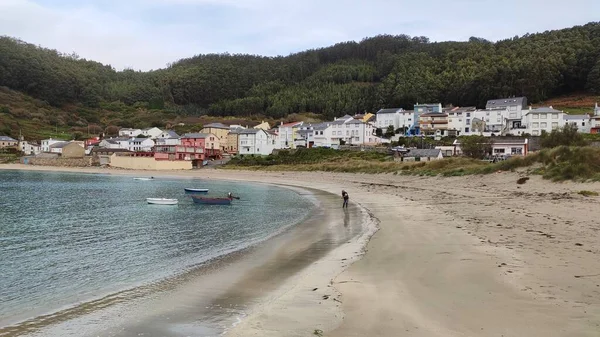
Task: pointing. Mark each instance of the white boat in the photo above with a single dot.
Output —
(162, 201)
(143, 178)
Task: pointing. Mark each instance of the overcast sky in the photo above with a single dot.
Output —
(148, 34)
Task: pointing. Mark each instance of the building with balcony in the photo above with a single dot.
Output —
(434, 124)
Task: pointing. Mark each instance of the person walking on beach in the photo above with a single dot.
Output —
(345, 196)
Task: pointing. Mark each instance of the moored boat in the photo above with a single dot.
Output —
(211, 201)
(162, 201)
(151, 178)
(196, 190)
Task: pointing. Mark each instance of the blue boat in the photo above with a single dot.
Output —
(196, 190)
(211, 201)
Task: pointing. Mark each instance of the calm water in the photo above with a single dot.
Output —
(68, 238)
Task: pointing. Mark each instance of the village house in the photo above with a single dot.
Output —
(595, 120)
(514, 108)
(255, 142)
(152, 132)
(46, 143)
(582, 122)
(323, 134)
(543, 119)
(502, 146)
(28, 148)
(218, 129)
(6, 141)
(140, 144)
(169, 137)
(233, 139)
(127, 132)
(434, 124)
(287, 134)
(192, 146)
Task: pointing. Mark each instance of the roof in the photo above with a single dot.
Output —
(388, 111)
(249, 131)
(195, 135)
(576, 117)
(338, 121)
(522, 101)
(7, 139)
(544, 110)
(216, 126)
(128, 129)
(430, 153)
(320, 126)
(459, 109)
(171, 133)
(104, 149)
(356, 121)
(59, 145)
(236, 130)
(140, 139)
(498, 140)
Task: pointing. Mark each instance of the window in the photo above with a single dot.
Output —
(487, 113)
(468, 121)
(513, 108)
(582, 123)
(498, 150)
(554, 116)
(516, 150)
(535, 116)
(498, 119)
(467, 130)
(543, 125)
(468, 114)
(512, 115)
(554, 125)
(535, 125)
(339, 133)
(535, 132)
(543, 116)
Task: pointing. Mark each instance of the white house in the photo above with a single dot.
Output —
(151, 132)
(387, 117)
(255, 141)
(29, 148)
(543, 119)
(140, 144)
(358, 132)
(582, 122)
(421, 155)
(286, 134)
(168, 137)
(322, 135)
(115, 143)
(502, 146)
(46, 143)
(126, 132)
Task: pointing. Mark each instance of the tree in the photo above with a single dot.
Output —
(390, 132)
(477, 147)
(565, 136)
(593, 79)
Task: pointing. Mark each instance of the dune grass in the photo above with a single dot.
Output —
(557, 164)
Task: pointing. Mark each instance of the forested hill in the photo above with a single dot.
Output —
(349, 77)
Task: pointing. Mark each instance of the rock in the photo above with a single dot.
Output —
(578, 244)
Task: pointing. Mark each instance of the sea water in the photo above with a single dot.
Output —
(67, 238)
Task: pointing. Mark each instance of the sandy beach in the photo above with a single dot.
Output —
(461, 256)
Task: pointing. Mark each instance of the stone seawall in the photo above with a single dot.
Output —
(63, 162)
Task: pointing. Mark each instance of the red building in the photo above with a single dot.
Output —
(192, 146)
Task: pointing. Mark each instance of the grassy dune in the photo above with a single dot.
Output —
(558, 164)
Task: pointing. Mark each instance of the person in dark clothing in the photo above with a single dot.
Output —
(345, 196)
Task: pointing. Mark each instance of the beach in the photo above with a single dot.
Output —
(460, 256)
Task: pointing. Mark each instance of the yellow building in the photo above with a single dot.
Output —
(232, 141)
(263, 125)
(6, 141)
(218, 129)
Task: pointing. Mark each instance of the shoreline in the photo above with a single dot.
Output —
(477, 255)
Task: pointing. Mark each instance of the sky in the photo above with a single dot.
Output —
(150, 34)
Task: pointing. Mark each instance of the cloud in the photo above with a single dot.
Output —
(148, 34)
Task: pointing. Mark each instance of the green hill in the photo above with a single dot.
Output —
(350, 77)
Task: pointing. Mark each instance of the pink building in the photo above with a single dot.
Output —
(192, 146)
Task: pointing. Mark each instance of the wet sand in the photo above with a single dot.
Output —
(462, 256)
